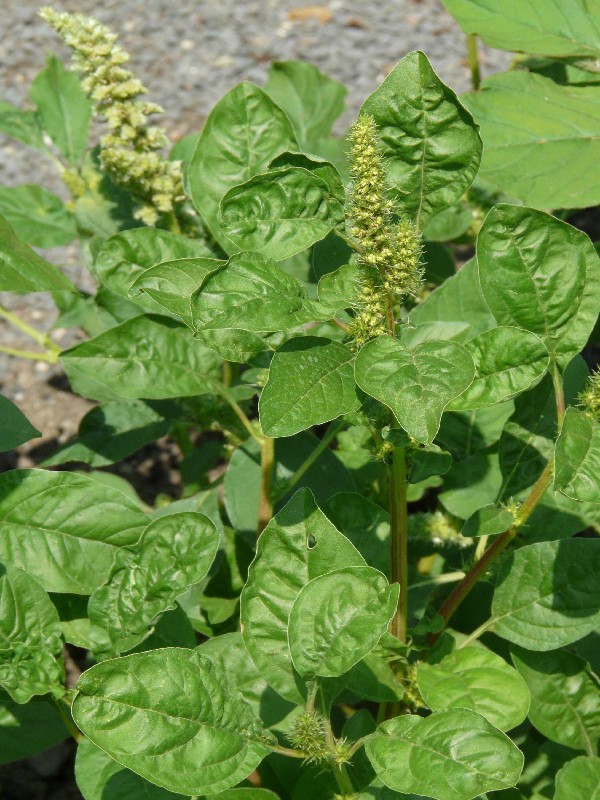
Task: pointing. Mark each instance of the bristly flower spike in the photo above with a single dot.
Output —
(129, 152)
(589, 398)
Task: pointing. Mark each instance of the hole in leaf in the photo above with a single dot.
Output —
(311, 542)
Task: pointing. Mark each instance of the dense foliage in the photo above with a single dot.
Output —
(381, 577)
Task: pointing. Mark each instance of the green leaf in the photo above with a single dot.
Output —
(112, 431)
(458, 299)
(565, 702)
(507, 361)
(487, 521)
(37, 216)
(428, 461)
(449, 224)
(478, 679)
(250, 293)
(280, 213)
(64, 109)
(471, 484)
(366, 524)
(242, 135)
(547, 595)
(21, 125)
(22, 270)
(422, 125)
(28, 729)
(64, 529)
(174, 552)
(125, 257)
(338, 618)
(99, 777)
(564, 29)
(198, 735)
(171, 284)
(15, 428)
(311, 381)
(451, 755)
(31, 638)
(521, 254)
(578, 778)
(337, 290)
(416, 385)
(312, 100)
(577, 457)
(540, 138)
(148, 357)
(298, 545)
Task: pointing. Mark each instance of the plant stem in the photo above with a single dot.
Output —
(559, 394)
(341, 325)
(458, 594)
(51, 358)
(399, 540)
(340, 773)
(28, 330)
(486, 626)
(267, 460)
(288, 751)
(473, 57)
(68, 720)
(330, 434)
(222, 391)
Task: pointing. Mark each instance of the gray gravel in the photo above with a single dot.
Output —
(190, 53)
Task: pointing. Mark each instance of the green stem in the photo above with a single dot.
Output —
(473, 58)
(399, 540)
(288, 751)
(559, 395)
(267, 460)
(484, 628)
(28, 330)
(68, 720)
(330, 434)
(173, 222)
(51, 358)
(478, 570)
(222, 391)
(340, 773)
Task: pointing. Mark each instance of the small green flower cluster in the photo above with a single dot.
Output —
(589, 398)
(308, 735)
(129, 152)
(389, 252)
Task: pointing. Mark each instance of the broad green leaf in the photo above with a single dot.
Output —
(422, 125)
(37, 216)
(123, 258)
(312, 100)
(311, 381)
(458, 299)
(366, 524)
(428, 461)
(15, 428)
(64, 109)
(148, 357)
(174, 552)
(521, 254)
(471, 484)
(416, 385)
(30, 638)
(100, 777)
(298, 545)
(487, 521)
(337, 290)
(280, 213)
(578, 778)
(326, 476)
(171, 284)
(198, 735)
(449, 224)
(540, 138)
(507, 361)
(451, 755)
(64, 529)
(242, 135)
(338, 618)
(21, 125)
(467, 432)
(547, 595)
(478, 679)
(23, 270)
(28, 729)
(250, 293)
(112, 431)
(565, 701)
(563, 29)
(577, 457)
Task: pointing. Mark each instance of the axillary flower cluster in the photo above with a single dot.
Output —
(389, 251)
(130, 151)
(589, 398)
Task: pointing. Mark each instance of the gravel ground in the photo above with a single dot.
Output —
(188, 54)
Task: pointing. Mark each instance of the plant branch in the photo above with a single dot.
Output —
(288, 751)
(559, 394)
(29, 330)
(51, 358)
(478, 570)
(68, 720)
(222, 391)
(473, 58)
(330, 434)
(267, 460)
(399, 540)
